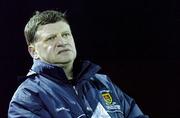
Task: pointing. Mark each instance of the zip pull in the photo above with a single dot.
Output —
(74, 87)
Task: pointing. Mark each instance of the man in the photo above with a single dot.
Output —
(57, 86)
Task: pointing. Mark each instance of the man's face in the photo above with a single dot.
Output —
(55, 43)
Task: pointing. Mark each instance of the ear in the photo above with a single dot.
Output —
(32, 51)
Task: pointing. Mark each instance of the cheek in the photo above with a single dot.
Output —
(44, 49)
(49, 49)
(72, 43)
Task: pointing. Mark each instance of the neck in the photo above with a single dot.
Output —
(68, 69)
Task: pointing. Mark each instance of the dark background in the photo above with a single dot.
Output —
(135, 41)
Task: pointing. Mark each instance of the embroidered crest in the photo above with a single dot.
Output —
(107, 98)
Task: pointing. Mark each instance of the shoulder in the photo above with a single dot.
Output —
(105, 81)
(26, 97)
(27, 89)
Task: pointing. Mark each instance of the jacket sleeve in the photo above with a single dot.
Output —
(26, 104)
(131, 109)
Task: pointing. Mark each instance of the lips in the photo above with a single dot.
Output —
(63, 50)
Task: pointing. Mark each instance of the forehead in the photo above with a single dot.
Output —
(56, 27)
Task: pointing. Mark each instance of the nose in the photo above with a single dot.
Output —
(61, 41)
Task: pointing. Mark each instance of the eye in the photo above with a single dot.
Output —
(51, 37)
(66, 35)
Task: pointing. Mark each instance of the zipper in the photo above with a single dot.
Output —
(80, 103)
(74, 87)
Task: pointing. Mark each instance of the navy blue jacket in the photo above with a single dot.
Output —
(47, 93)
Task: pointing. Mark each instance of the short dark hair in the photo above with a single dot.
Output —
(41, 18)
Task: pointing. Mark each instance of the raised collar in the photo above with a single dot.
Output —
(82, 70)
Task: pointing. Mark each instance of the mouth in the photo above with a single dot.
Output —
(63, 50)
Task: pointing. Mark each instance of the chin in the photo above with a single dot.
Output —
(65, 61)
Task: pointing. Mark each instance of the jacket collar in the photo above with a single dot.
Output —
(82, 70)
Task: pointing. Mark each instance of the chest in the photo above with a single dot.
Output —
(83, 101)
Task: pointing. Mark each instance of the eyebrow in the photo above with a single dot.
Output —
(50, 35)
(66, 31)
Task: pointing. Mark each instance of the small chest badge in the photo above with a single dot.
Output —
(107, 98)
